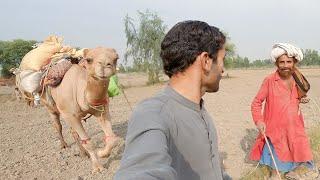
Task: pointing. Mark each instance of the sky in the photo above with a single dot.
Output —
(253, 25)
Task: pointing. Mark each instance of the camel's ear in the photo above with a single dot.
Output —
(86, 58)
(85, 52)
(89, 60)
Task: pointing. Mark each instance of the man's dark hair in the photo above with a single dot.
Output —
(185, 41)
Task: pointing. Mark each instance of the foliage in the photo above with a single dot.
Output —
(143, 43)
(311, 57)
(11, 53)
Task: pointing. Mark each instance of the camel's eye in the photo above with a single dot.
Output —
(89, 60)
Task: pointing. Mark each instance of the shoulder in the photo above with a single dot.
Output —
(152, 112)
(270, 77)
(155, 105)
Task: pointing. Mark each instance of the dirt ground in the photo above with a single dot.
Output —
(30, 148)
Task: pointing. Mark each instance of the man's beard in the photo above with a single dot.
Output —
(214, 87)
(285, 72)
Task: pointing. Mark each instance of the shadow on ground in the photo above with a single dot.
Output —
(247, 142)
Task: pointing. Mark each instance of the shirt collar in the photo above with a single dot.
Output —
(182, 100)
(276, 76)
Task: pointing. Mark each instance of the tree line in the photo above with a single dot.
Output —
(143, 49)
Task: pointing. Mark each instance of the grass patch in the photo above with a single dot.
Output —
(261, 172)
(314, 135)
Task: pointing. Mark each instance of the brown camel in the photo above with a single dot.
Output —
(83, 91)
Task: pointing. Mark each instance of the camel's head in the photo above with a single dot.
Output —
(101, 62)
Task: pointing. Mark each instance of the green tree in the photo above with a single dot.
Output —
(143, 43)
(311, 57)
(230, 52)
(11, 53)
(246, 62)
(257, 63)
(262, 63)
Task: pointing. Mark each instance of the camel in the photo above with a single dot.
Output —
(83, 91)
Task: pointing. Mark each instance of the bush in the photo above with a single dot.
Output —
(11, 53)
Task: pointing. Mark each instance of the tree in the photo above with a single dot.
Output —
(311, 57)
(261, 63)
(230, 52)
(143, 43)
(246, 62)
(11, 53)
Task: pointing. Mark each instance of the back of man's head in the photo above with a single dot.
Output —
(185, 41)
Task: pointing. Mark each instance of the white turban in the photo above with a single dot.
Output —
(280, 49)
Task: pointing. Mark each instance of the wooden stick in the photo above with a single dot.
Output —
(274, 161)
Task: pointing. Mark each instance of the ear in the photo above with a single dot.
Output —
(206, 62)
(85, 52)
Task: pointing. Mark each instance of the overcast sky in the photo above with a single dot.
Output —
(253, 25)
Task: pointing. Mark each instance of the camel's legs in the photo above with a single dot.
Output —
(75, 123)
(75, 136)
(57, 125)
(110, 138)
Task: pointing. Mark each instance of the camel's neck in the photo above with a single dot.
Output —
(96, 90)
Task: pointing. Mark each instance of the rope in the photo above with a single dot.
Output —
(26, 97)
(103, 106)
(125, 96)
(85, 118)
(274, 162)
(93, 106)
(41, 82)
(97, 107)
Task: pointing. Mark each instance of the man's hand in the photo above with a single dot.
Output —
(261, 127)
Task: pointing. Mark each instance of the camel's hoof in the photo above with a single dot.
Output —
(64, 145)
(97, 168)
(103, 153)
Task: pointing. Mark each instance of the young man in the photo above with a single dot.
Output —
(171, 135)
(282, 120)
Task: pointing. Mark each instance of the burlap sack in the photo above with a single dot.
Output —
(40, 56)
(29, 80)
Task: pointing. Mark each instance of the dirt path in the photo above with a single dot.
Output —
(30, 149)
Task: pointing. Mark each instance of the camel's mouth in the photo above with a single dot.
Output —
(102, 77)
(109, 66)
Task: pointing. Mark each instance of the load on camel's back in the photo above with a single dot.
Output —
(44, 65)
